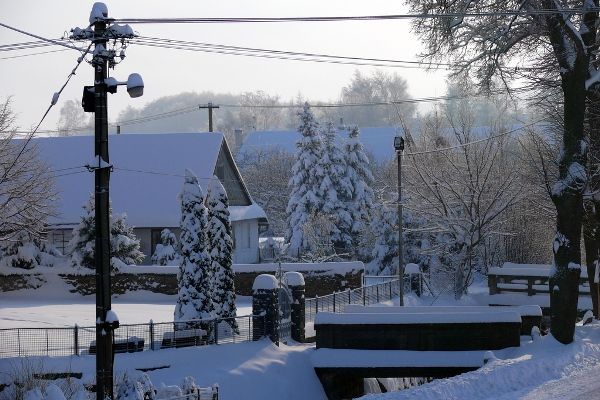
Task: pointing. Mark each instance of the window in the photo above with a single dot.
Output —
(154, 239)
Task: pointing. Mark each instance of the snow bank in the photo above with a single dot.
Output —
(333, 358)
(541, 270)
(324, 318)
(539, 369)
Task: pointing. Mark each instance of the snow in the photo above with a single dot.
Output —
(99, 12)
(131, 191)
(329, 267)
(265, 282)
(543, 300)
(346, 358)
(539, 369)
(252, 371)
(412, 268)
(525, 310)
(293, 278)
(541, 270)
(457, 317)
(240, 213)
(111, 317)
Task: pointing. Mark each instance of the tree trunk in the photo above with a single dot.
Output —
(591, 202)
(567, 197)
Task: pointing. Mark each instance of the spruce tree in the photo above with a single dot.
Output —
(359, 179)
(193, 297)
(221, 245)
(305, 181)
(124, 246)
(385, 251)
(334, 188)
(165, 252)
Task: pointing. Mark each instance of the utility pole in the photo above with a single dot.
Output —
(210, 107)
(95, 100)
(399, 146)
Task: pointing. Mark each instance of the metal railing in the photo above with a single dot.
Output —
(366, 295)
(25, 342)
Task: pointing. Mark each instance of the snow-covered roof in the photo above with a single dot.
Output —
(378, 142)
(147, 176)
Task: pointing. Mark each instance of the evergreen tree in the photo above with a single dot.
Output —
(193, 297)
(360, 179)
(221, 245)
(306, 178)
(334, 188)
(165, 252)
(23, 252)
(385, 250)
(124, 246)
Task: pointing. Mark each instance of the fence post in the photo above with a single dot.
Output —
(316, 303)
(265, 303)
(295, 281)
(76, 340)
(349, 296)
(377, 291)
(363, 296)
(216, 331)
(390, 285)
(151, 328)
(19, 340)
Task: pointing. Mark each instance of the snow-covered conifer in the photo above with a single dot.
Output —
(305, 181)
(166, 252)
(83, 242)
(385, 251)
(193, 297)
(21, 253)
(124, 246)
(334, 188)
(359, 178)
(221, 245)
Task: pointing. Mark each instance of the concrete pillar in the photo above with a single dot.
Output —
(295, 281)
(265, 306)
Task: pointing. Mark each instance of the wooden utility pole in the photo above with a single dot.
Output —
(210, 107)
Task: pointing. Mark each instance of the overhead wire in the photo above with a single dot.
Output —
(53, 41)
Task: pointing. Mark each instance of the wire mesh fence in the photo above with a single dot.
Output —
(25, 342)
(366, 295)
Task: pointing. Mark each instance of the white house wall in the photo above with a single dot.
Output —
(246, 241)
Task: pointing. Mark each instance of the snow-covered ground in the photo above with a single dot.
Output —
(252, 371)
(54, 306)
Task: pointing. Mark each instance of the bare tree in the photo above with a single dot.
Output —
(566, 41)
(73, 120)
(26, 183)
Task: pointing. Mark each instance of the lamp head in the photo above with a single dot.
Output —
(135, 85)
(399, 143)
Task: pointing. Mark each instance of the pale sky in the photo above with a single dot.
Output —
(32, 80)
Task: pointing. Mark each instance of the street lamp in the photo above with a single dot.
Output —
(399, 146)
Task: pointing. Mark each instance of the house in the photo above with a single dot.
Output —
(147, 177)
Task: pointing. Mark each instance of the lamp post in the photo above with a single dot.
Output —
(399, 146)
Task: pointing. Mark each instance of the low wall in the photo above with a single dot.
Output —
(321, 279)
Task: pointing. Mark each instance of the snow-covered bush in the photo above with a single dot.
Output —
(165, 252)
(221, 247)
(194, 293)
(125, 247)
(135, 385)
(27, 253)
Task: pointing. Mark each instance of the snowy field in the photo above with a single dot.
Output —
(53, 306)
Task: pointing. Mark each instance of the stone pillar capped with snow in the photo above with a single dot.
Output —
(265, 307)
(295, 281)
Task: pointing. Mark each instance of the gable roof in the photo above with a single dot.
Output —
(147, 176)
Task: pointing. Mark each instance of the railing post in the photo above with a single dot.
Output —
(349, 296)
(151, 328)
(76, 340)
(316, 303)
(390, 285)
(363, 296)
(377, 291)
(216, 328)
(19, 340)
(295, 281)
(530, 291)
(265, 302)
(333, 301)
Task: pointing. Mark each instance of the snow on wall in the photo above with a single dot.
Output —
(332, 358)
(541, 270)
(324, 318)
(332, 267)
(265, 282)
(524, 310)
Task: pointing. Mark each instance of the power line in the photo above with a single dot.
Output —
(458, 146)
(33, 54)
(280, 54)
(506, 13)
(53, 41)
(52, 103)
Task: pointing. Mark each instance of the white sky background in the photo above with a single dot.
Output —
(32, 80)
